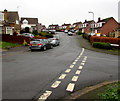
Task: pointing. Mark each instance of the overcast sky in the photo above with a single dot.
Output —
(62, 11)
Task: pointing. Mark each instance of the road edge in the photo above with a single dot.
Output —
(86, 90)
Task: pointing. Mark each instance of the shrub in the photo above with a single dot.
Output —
(105, 40)
(79, 33)
(101, 45)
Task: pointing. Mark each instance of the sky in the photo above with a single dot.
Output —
(62, 11)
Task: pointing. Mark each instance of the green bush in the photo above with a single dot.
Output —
(79, 33)
(101, 45)
(112, 93)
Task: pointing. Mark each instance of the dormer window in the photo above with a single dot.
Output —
(25, 21)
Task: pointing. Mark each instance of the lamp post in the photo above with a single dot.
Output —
(93, 22)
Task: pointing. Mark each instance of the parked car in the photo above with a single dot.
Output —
(27, 35)
(70, 33)
(40, 44)
(66, 31)
(55, 41)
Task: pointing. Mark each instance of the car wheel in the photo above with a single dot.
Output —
(51, 46)
(44, 48)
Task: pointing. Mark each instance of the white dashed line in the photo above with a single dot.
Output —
(75, 78)
(80, 67)
(70, 87)
(62, 76)
(76, 60)
(68, 70)
(71, 66)
(78, 72)
(45, 96)
(56, 84)
(74, 63)
(82, 63)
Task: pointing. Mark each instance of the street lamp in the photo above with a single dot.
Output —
(93, 22)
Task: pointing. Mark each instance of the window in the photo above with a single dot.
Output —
(9, 30)
(1, 16)
(17, 22)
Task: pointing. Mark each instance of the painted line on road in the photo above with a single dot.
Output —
(70, 87)
(83, 61)
(82, 51)
(74, 63)
(76, 60)
(45, 96)
(78, 72)
(80, 67)
(68, 70)
(75, 78)
(56, 84)
(83, 64)
(71, 66)
(62, 76)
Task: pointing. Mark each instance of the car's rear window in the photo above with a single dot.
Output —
(36, 41)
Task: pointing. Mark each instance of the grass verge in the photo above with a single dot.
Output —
(6, 45)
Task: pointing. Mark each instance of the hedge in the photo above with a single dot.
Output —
(105, 40)
(14, 39)
(102, 45)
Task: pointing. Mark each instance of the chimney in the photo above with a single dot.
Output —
(99, 19)
(5, 15)
(85, 21)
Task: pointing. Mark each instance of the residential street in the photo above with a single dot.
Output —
(55, 73)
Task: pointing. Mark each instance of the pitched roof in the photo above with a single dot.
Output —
(88, 21)
(30, 20)
(12, 16)
(77, 23)
(66, 24)
(106, 19)
(53, 25)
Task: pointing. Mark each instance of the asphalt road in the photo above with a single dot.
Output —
(55, 73)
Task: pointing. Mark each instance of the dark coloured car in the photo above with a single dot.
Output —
(40, 44)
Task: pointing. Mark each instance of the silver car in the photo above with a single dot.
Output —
(40, 44)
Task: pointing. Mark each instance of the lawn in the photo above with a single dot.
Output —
(8, 45)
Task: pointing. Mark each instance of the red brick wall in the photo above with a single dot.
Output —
(110, 26)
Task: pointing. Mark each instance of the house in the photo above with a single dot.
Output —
(40, 27)
(53, 27)
(32, 23)
(65, 26)
(77, 25)
(9, 22)
(106, 26)
(87, 26)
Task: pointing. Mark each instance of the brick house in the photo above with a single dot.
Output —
(66, 26)
(77, 25)
(53, 27)
(40, 27)
(106, 26)
(9, 22)
(32, 23)
(87, 26)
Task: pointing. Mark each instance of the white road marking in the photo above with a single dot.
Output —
(74, 63)
(78, 72)
(80, 67)
(62, 76)
(70, 87)
(82, 51)
(71, 66)
(45, 96)
(56, 84)
(76, 60)
(68, 70)
(82, 63)
(75, 78)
